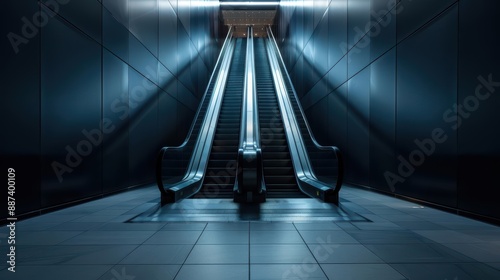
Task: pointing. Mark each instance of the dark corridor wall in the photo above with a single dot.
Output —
(409, 92)
(92, 90)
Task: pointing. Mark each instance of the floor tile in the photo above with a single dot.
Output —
(361, 272)
(56, 272)
(419, 225)
(47, 255)
(44, 237)
(329, 237)
(213, 272)
(158, 254)
(483, 252)
(272, 254)
(131, 226)
(77, 226)
(495, 265)
(484, 235)
(343, 253)
(447, 236)
(317, 226)
(149, 272)
(385, 237)
(417, 253)
(110, 237)
(224, 237)
(480, 271)
(275, 237)
(432, 271)
(218, 254)
(271, 226)
(310, 271)
(378, 226)
(228, 226)
(174, 237)
(94, 218)
(184, 226)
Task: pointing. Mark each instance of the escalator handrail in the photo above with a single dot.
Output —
(249, 118)
(249, 151)
(199, 158)
(307, 170)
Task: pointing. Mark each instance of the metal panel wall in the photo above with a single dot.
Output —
(420, 110)
(478, 134)
(20, 113)
(70, 113)
(394, 74)
(117, 80)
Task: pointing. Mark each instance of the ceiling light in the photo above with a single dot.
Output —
(249, 3)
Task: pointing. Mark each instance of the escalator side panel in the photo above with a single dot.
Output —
(221, 170)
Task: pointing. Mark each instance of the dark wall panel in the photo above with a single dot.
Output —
(119, 9)
(142, 60)
(143, 23)
(168, 30)
(316, 115)
(71, 105)
(115, 35)
(357, 20)
(337, 122)
(413, 14)
(358, 132)
(382, 119)
(320, 49)
(420, 109)
(383, 33)
(478, 134)
(20, 106)
(84, 14)
(337, 30)
(116, 112)
(143, 125)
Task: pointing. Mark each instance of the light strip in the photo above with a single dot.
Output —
(250, 3)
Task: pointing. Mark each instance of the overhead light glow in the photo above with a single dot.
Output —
(249, 3)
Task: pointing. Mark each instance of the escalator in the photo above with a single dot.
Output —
(221, 170)
(279, 174)
(250, 139)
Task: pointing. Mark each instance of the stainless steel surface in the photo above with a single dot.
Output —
(249, 181)
(306, 178)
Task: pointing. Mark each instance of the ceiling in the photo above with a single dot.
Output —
(240, 17)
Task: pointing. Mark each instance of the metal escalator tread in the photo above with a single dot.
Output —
(278, 169)
(220, 173)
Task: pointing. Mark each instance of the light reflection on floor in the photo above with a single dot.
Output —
(225, 210)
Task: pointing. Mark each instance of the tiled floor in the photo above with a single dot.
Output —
(403, 241)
